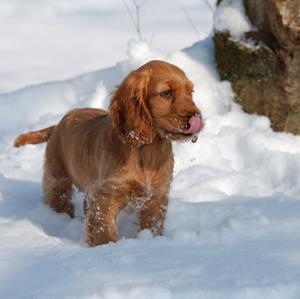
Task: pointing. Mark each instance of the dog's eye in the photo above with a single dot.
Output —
(167, 93)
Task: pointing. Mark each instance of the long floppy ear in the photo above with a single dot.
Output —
(128, 109)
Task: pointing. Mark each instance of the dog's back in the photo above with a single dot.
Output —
(82, 143)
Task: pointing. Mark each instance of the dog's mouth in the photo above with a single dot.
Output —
(194, 126)
(186, 131)
(181, 136)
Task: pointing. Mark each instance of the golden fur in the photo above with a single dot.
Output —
(121, 158)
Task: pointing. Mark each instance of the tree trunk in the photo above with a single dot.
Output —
(264, 66)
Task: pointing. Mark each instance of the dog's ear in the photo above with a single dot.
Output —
(128, 109)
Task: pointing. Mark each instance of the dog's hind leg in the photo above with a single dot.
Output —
(57, 187)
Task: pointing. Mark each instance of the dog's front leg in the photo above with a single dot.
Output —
(153, 214)
(100, 220)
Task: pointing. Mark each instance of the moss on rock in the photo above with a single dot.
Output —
(265, 72)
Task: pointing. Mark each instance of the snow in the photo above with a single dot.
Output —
(57, 39)
(233, 224)
(230, 17)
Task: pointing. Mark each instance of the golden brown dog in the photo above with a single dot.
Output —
(121, 158)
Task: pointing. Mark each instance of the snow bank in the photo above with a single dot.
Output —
(230, 16)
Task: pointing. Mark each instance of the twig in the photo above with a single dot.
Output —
(151, 39)
(211, 8)
(191, 22)
(131, 16)
(136, 20)
(143, 3)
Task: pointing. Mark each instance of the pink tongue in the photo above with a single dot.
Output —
(196, 125)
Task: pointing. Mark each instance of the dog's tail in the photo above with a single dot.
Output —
(34, 137)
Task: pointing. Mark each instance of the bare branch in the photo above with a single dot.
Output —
(143, 3)
(130, 13)
(136, 19)
(211, 8)
(138, 22)
(135, 3)
(191, 22)
(151, 39)
(138, 5)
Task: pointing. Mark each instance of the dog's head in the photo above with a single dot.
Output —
(155, 99)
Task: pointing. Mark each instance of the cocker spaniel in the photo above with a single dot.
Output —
(121, 158)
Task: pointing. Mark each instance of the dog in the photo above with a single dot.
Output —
(121, 158)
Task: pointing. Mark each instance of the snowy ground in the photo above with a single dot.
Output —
(233, 224)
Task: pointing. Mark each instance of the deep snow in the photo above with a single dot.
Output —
(233, 223)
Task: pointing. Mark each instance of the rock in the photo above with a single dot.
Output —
(264, 66)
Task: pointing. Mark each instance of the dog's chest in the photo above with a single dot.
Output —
(148, 175)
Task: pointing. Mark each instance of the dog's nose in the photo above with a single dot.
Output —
(195, 124)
